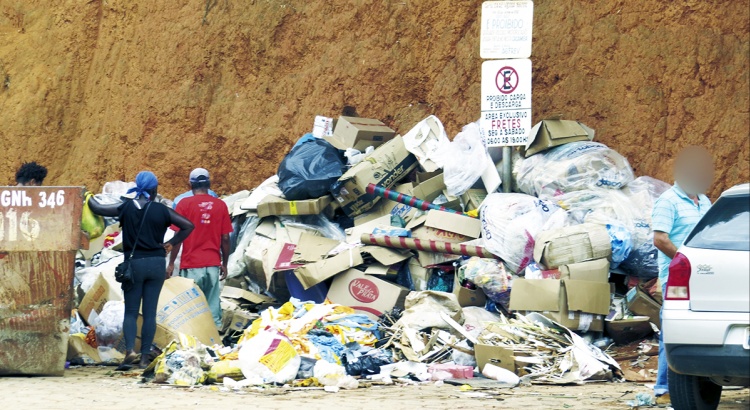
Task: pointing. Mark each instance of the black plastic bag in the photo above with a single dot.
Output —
(309, 170)
(362, 361)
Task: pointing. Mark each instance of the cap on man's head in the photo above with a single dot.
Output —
(199, 175)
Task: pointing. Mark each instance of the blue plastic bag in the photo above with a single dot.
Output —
(622, 243)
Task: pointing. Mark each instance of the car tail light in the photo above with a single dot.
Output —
(678, 284)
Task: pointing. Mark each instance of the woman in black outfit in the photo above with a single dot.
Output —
(149, 258)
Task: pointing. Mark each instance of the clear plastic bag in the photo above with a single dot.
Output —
(464, 160)
(108, 323)
(489, 275)
(572, 167)
(510, 222)
(316, 223)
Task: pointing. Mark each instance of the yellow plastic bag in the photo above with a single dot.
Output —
(91, 223)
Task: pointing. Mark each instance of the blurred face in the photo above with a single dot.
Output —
(694, 170)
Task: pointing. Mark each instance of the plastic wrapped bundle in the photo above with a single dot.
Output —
(643, 192)
(572, 167)
(510, 222)
(489, 275)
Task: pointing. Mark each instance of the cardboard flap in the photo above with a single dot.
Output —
(541, 295)
(592, 271)
(497, 355)
(561, 129)
(386, 256)
(314, 273)
(313, 248)
(377, 269)
(237, 293)
(588, 297)
(354, 234)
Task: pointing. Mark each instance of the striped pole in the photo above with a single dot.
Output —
(384, 192)
(426, 245)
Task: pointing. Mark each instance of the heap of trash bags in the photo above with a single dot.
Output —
(371, 255)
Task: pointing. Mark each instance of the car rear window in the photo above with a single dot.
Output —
(725, 226)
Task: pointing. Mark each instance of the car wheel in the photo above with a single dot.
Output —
(693, 392)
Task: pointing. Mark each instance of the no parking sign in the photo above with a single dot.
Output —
(506, 102)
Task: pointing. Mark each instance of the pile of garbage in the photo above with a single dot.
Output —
(375, 255)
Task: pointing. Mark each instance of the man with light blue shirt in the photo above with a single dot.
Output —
(194, 174)
(675, 214)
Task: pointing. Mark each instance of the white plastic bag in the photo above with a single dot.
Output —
(572, 167)
(510, 222)
(329, 374)
(425, 141)
(269, 357)
(464, 160)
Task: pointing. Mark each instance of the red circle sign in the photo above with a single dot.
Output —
(506, 80)
(364, 290)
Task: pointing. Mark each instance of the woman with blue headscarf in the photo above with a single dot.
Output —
(148, 262)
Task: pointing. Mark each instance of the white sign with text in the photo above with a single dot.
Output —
(506, 29)
(506, 102)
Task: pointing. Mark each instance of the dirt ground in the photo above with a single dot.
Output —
(102, 387)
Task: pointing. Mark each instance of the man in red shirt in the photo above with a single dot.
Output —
(206, 251)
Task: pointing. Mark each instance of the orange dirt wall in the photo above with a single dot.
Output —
(99, 90)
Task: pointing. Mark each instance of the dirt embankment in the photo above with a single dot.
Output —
(99, 90)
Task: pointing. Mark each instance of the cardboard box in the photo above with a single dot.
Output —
(313, 273)
(554, 132)
(572, 244)
(629, 330)
(366, 294)
(497, 355)
(575, 304)
(445, 227)
(360, 133)
(102, 291)
(430, 186)
(322, 127)
(593, 271)
(387, 165)
(273, 205)
(640, 303)
(241, 319)
(467, 297)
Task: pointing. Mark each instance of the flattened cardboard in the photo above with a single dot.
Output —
(366, 294)
(377, 269)
(551, 133)
(360, 133)
(497, 355)
(312, 248)
(354, 234)
(275, 206)
(314, 273)
(284, 262)
(473, 198)
(251, 297)
(387, 165)
(588, 297)
(182, 308)
(387, 256)
(572, 244)
(593, 271)
(538, 295)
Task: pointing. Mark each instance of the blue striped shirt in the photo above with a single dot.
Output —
(676, 214)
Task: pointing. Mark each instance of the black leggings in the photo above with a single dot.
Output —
(148, 275)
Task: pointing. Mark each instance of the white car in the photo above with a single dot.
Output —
(706, 311)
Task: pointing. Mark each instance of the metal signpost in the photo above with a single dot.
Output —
(505, 40)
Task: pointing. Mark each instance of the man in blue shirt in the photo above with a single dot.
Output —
(194, 176)
(675, 214)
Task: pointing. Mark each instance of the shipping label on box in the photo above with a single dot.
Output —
(386, 166)
(366, 294)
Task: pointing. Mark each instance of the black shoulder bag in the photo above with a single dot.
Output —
(124, 271)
